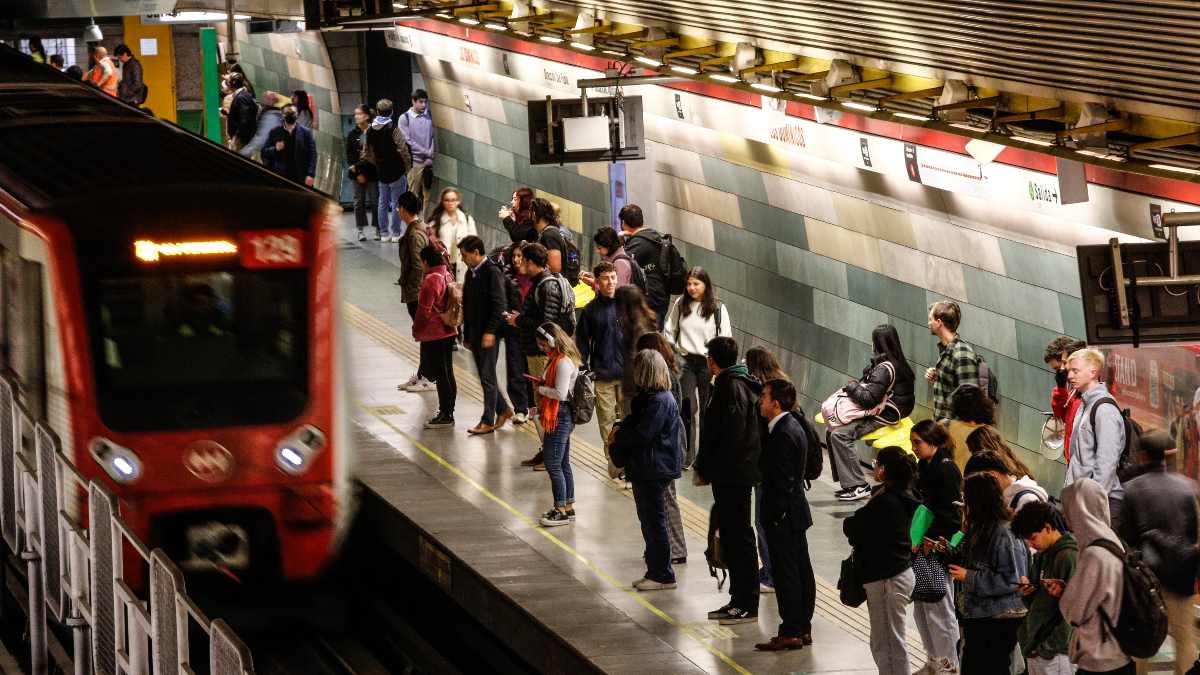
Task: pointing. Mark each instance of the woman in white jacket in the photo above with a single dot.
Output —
(695, 318)
(450, 224)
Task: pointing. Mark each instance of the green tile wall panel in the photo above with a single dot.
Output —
(787, 295)
(811, 269)
(320, 95)
(860, 354)
(515, 114)
(1013, 298)
(752, 317)
(511, 139)
(1029, 433)
(584, 190)
(495, 160)
(250, 54)
(445, 167)
(739, 180)
(312, 52)
(1040, 267)
(919, 345)
(275, 62)
(1009, 422)
(725, 272)
(984, 327)
(1031, 343)
(848, 318)
(455, 145)
(772, 222)
(816, 342)
(1019, 381)
(889, 295)
(748, 247)
(1072, 315)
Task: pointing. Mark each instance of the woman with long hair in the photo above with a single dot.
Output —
(450, 224)
(695, 318)
(635, 318)
(516, 286)
(555, 414)
(991, 563)
(939, 484)
(366, 189)
(1014, 475)
(306, 115)
(878, 533)
(658, 343)
(517, 216)
(886, 386)
(646, 444)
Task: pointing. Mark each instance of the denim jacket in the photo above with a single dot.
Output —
(990, 588)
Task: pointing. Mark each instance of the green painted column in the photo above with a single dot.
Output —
(210, 84)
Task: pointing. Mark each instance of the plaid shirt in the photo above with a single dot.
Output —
(956, 365)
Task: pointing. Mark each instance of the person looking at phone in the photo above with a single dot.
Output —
(939, 483)
(1045, 634)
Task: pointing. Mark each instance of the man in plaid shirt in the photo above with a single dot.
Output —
(957, 363)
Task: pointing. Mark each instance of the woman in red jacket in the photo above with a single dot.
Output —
(435, 336)
(1064, 400)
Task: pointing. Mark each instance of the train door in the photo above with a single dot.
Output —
(24, 330)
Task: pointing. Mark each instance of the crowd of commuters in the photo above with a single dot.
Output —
(999, 579)
(122, 78)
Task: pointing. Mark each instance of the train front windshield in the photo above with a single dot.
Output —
(197, 349)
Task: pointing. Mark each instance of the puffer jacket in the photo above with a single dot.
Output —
(1098, 582)
(878, 533)
(647, 444)
(543, 303)
(872, 389)
(731, 430)
(415, 238)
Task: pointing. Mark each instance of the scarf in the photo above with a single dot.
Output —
(548, 407)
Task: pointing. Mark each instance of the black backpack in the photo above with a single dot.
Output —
(637, 275)
(988, 381)
(566, 315)
(1133, 434)
(571, 263)
(672, 266)
(814, 459)
(1141, 627)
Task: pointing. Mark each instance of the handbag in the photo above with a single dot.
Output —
(850, 588)
(930, 578)
(839, 409)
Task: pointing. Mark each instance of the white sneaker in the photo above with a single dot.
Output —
(362, 236)
(645, 584)
(408, 383)
(395, 240)
(520, 417)
(421, 385)
(763, 588)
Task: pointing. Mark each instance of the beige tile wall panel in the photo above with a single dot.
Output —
(946, 278)
(845, 245)
(450, 95)
(945, 240)
(1034, 229)
(464, 124)
(808, 200)
(676, 161)
(874, 220)
(683, 135)
(597, 171)
(903, 263)
(690, 227)
(699, 199)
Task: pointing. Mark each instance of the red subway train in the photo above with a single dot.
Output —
(170, 310)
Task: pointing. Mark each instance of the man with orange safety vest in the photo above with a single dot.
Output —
(103, 74)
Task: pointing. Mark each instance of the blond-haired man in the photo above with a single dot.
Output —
(1098, 434)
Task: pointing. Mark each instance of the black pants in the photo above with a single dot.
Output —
(795, 584)
(988, 645)
(437, 356)
(493, 400)
(738, 547)
(520, 392)
(365, 198)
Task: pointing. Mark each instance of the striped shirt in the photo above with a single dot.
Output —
(957, 364)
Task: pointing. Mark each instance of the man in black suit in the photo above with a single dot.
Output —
(786, 516)
(484, 304)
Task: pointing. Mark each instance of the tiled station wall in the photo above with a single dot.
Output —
(285, 62)
(808, 256)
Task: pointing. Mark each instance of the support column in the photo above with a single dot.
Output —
(210, 84)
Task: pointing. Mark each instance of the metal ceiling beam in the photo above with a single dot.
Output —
(1110, 125)
(855, 86)
(695, 51)
(472, 9)
(1044, 114)
(592, 30)
(554, 25)
(912, 95)
(545, 16)
(806, 77)
(630, 34)
(985, 102)
(1185, 139)
(717, 61)
(770, 67)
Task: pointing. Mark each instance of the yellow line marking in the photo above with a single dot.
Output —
(638, 597)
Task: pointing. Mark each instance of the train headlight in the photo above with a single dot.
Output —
(294, 454)
(119, 462)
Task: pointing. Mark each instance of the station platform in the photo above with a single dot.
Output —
(475, 506)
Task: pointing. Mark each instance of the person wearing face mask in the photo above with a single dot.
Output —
(1064, 399)
(366, 188)
(291, 150)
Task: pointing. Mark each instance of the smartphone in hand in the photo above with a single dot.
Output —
(533, 378)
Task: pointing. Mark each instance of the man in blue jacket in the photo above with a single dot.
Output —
(602, 345)
(786, 516)
(291, 150)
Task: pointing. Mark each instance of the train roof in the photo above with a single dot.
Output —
(63, 141)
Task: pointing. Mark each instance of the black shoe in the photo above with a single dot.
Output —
(554, 518)
(679, 561)
(440, 422)
(571, 514)
(533, 461)
(734, 616)
(718, 613)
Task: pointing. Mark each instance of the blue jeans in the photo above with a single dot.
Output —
(389, 223)
(764, 574)
(650, 497)
(556, 450)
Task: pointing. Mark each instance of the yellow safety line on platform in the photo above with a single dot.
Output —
(853, 619)
(638, 597)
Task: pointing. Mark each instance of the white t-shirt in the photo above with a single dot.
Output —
(694, 330)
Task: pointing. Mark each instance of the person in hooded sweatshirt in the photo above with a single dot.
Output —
(1097, 584)
(386, 148)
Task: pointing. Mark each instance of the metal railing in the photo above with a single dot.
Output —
(76, 567)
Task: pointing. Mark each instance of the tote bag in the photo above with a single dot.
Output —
(839, 409)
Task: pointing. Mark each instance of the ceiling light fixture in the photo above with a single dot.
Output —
(1178, 169)
(865, 107)
(469, 21)
(761, 86)
(1034, 141)
(550, 38)
(911, 116)
(496, 26)
(811, 97)
(719, 77)
(684, 70)
(583, 46)
(646, 60)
